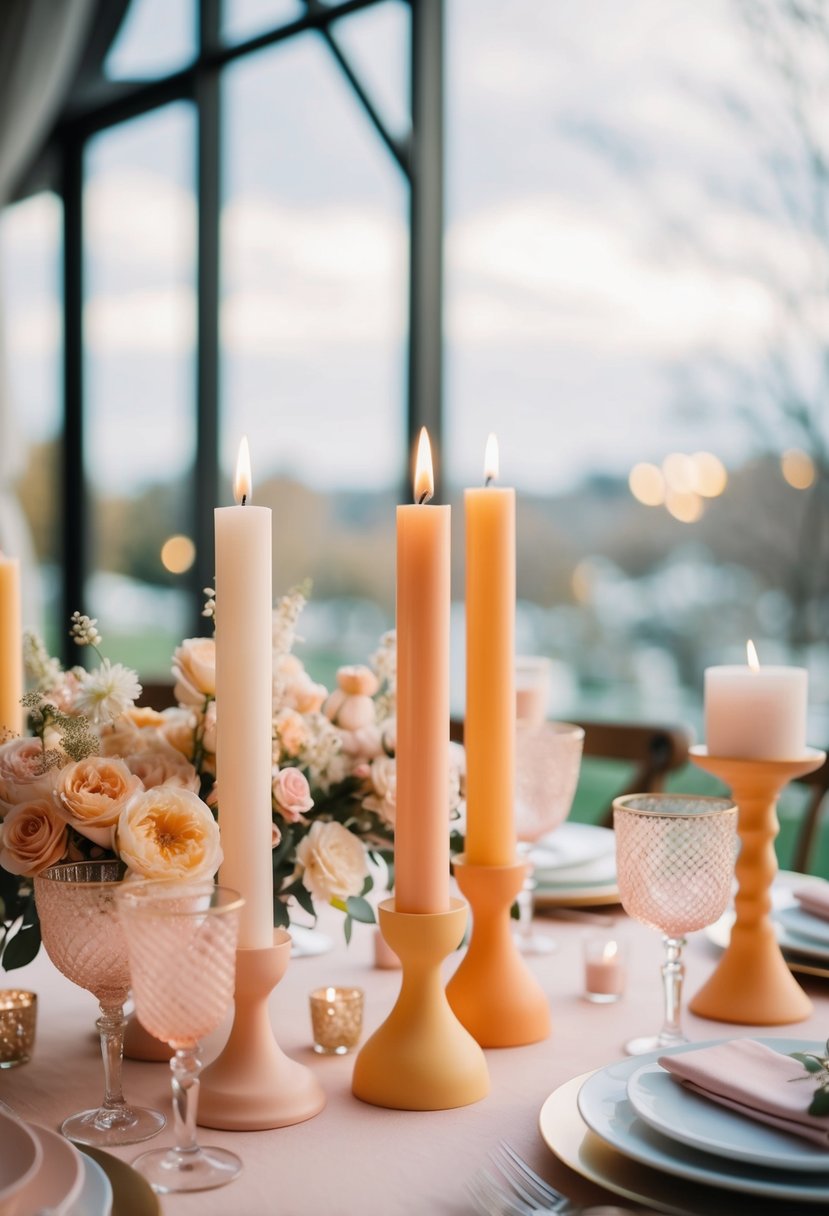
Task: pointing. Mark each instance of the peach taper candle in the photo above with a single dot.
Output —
(11, 642)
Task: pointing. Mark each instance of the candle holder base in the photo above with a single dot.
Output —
(252, 1084)
(493, 992)
(752, 984)
(421, 1058)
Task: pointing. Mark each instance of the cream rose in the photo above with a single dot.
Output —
(178, 728)
(21, 777)
(90, 794)
(168, 832)
(164, 766)
(306, 696)
(208, 738)
(135, 731)
(333, 861)
(291, 793)
(34, 837)
(194, 667)
(382, 795)
(291, 731)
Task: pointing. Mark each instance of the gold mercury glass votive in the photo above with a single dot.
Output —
(336, 1019)
(18, 1012)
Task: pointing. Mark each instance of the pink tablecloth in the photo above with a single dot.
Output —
(358, 1160)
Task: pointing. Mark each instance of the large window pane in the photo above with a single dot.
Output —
(313, 324)
(247, 18)
(139, 331)
(30, 467)
(156, 37)
(636, 267)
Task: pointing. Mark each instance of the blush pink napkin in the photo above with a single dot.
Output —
(814, 899)
(754, 1080)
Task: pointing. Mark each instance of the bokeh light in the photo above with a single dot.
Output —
(647, 485)
(710, 476)
(798, 468)
(686, 506)
(178, 554)
(678, 469)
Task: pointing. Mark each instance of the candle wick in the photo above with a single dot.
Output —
(244, 500)
(489, 479)
(424, 497)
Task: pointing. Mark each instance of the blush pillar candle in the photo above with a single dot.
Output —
(489, 732)
(244, 664)
(11, 648)
(754, 712)
(421, 830)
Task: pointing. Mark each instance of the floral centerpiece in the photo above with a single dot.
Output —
(101, 775)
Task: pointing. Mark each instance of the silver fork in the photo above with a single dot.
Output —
(530, 1186)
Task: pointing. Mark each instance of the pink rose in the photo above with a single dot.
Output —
(34, 837)
(21, 776)
(291, 793)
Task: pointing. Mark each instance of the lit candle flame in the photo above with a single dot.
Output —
(610, 951)
(491, 460)
(242, 482)
(751, 652)
(424, 480)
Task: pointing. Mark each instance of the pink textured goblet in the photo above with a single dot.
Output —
(675, 864)
(547, 764)
(182, 946)
(84, 939)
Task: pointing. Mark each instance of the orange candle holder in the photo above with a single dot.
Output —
(253, 1085)
(493, 992)
(421, 1058)
(752, 984)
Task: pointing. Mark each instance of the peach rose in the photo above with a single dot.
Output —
(34, 837)
(208, 739)
(178, 728)
(194, 666)
(382, 796)
(365, 743)
(291, 732)
(136, 730)
(291, 793)
(333, 861)
(21, 778)
(164, 766)
(307, 697)
(357, 681)
(90, 795)
(168, 832)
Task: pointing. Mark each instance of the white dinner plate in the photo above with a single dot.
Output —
(95, 1198)
(577, 896)
(566, 1134)
(598, 872)
(803, 924)
(606, 1109)
(684, 1115)
(60, 1179)
(572, 844)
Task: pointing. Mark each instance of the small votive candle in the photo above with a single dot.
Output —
(336, 1019)
(18, 1012)
(604, 970)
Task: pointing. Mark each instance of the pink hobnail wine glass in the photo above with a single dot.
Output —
(182, 940)
(83, 938)
(547, 764)
(675, 864)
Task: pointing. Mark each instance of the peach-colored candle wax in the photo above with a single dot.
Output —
(11, 648)
(421, 833)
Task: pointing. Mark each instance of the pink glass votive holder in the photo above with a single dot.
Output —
(18, 1015)
(336, 1019)
(605, 970)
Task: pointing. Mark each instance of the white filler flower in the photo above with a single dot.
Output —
(107, 692)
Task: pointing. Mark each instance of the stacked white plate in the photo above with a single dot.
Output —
(63, 1181)
(575, 865)
(634, 1130)
(803, 938)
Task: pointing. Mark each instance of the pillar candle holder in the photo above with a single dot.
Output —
(421, 1058)
(252, 1084)
(493, 992)
(752, 984)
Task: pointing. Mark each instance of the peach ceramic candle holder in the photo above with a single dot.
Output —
(421, 1058)
(752, 984)
(493, 992)
(252, 1084)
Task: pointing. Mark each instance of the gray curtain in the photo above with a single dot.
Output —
(41, 45)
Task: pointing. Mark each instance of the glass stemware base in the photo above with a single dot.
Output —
(110, 1126)
(527, 938)
(172, 1171)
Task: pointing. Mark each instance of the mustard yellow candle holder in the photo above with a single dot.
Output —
(493, 992)
(252, 1084)
(752, 984)
(421, 1058)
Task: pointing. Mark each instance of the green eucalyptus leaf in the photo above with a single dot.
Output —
(360, 909)
(22, 948)
(347, 924)
(820, 1102)
(303, 897)
(810, 1062)
(281, 918)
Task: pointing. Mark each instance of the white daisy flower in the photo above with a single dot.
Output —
(107, 692)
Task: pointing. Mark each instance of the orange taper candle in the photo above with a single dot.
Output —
(421, 832)
(489, 733)
(11, 648)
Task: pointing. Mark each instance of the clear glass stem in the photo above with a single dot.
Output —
(673, 973)
(185, 1067)
(526, 906)
(111, 1029)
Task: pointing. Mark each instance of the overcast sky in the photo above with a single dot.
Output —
(610, 225)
